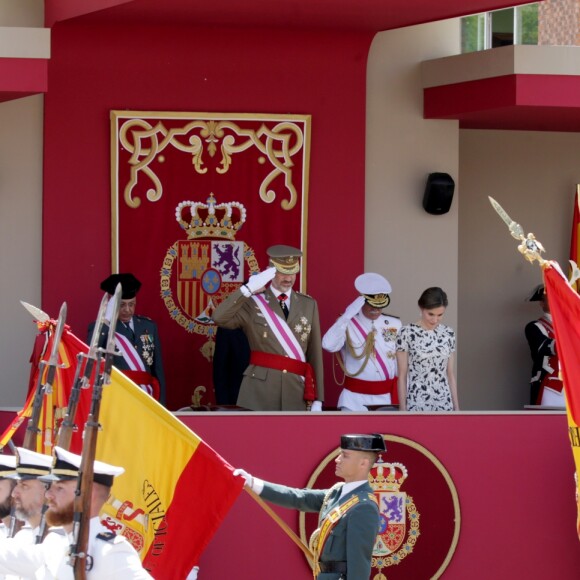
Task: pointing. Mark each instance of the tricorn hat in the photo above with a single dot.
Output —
(285, 259)
(66, 465)
(537, 294)
(375, 289)
(129, 284)
(373, 442)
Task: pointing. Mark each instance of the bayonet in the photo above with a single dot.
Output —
(36, 313)
(82, 503)
(43, 388)
(82, 379)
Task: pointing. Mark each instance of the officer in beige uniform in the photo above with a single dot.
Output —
(283, 329)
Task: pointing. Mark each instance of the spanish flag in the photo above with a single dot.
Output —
(175, 491)
(575, 237)
(565, 309)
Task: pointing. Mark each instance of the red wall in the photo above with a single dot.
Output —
(513, 474)
(94, 69)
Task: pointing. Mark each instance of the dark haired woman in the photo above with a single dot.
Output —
(425, 358)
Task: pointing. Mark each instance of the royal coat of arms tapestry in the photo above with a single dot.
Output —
(197, 198)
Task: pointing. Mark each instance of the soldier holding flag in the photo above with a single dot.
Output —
(348, 521)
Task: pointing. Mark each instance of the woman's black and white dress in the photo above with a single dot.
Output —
(428, 355)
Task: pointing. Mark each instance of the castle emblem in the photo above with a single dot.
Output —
(399, 518)
(200, 271)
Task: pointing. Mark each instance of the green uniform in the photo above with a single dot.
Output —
(352, 539)
(265, 389)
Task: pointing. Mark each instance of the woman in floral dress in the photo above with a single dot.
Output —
(425, 359)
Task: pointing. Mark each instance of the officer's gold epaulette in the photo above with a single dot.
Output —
(107, 536)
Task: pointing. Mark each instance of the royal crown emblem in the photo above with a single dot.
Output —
(200, 271)
(210, 220)
(399, 518)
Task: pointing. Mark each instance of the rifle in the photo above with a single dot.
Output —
(45, 388)
(32, 430)
(82, 379)
(79, 558)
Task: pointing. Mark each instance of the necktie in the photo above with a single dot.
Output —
(282, 298)
(131, 334)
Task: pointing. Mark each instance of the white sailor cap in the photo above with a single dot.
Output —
(7, 466)
(66, 465)
(375, 288)
(30, 464)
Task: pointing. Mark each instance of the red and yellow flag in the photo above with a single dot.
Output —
(565, 309)
(175, 491)
(575, 237)
(54, 403)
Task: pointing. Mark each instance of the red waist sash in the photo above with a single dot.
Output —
(388, 386)
(286, 364)
(144, 378)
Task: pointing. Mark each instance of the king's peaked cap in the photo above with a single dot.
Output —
(285, 259)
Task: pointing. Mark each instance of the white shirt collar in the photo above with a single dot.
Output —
(278, 292)
(348, 487)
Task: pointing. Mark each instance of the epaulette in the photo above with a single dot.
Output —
(106, 536)
(143, 317)
(302, 294)
(372, 497)
(392, 316)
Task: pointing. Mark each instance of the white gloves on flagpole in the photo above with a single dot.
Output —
(258, 281)
(255, 484)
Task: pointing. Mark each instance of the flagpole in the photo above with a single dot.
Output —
(307, 552)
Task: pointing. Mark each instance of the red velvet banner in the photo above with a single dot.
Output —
(196, 200)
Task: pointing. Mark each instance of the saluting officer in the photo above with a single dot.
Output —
(283, 329)
(136, 337)
(348, 512)
(366, 341)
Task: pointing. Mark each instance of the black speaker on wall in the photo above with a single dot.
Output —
(438, 193)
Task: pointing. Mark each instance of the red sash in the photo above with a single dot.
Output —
(287, 364)
(144, 378)
(388, 386)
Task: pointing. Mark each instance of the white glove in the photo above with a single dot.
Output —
(255, 484)
(259, 280)
(193, 574)
(316, 407)
(354, 308)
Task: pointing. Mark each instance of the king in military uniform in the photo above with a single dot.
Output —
(348, 521)
(365, 340)
(283, 329)
(136, 338)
